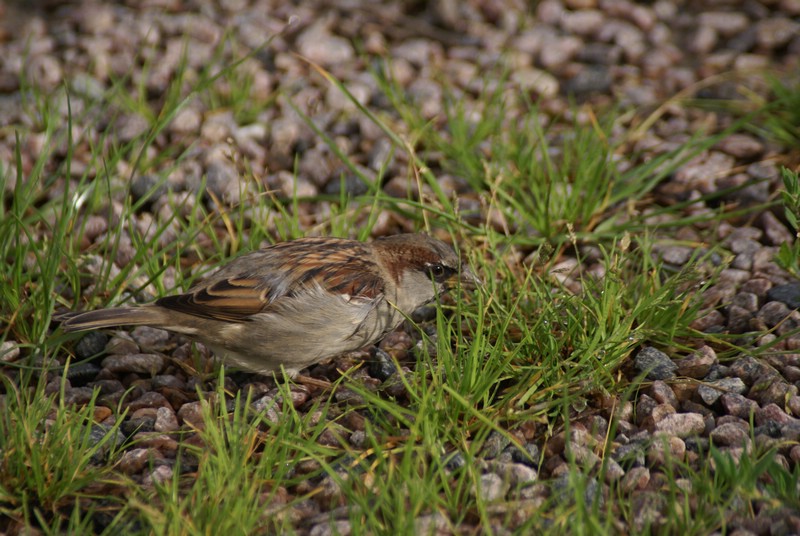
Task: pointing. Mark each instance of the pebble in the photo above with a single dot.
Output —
(92, 344)
(613, 470)
(494, 445)
(656, 364)
(159, 475)
(697, 364)
(191, 414)
(77, 396)
(772, 413)
(322, 48)
(727, 23)
(748, 369)
(637, 478)
(150, 364)
(9, 351)
(730, 435)
(151, 338)
(712, 391)
(107, 439)
(771, 389)
(564, 491)
(664, 448)
(742, 146)
(776, 32)
(663, 394)
(381, 365)
(788, 294)
(339, 527)
(166, 420)
(536, 81)
(166, 444)
(492, 487)
(435, 523)
(584, 456)
(681, 425)
(135, 460)
(528, 455)
(121, 345)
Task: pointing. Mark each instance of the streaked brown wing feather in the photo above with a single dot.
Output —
(255, 282)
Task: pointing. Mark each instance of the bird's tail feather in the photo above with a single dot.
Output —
(106, 318)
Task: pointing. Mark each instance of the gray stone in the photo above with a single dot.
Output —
(711, 392)
(150, 364)
(494, 445)
(748, 369)
(656, 364)
(492, 487)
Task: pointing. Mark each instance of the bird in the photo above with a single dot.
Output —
(293, 304)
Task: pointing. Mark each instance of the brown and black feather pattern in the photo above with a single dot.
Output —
(281, 271)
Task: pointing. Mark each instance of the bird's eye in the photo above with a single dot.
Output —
(437, 270)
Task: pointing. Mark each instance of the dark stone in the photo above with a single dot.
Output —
(630, 455)
(769, 429)
(788, 294)
(92, 344)
(599, 54)
(454, 460)
(381, 365)
(167, 380)
(108, 386)
(99, 433)
(564, 491)
(697, 444)
(350, 183)
(77, 396)
(528, 455)
(138, 424)
(494, 445)
(590, 80)
(655, 363)
(748, 369)
(141, 185)
(80, 374)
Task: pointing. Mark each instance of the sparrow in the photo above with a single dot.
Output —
(293, 304)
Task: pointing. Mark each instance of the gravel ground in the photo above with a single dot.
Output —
(593, 51)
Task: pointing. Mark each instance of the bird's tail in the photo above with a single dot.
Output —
(107, 318)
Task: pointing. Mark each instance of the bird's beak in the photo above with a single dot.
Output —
(467, 279)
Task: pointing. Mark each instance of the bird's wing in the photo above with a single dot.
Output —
(259, 281)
